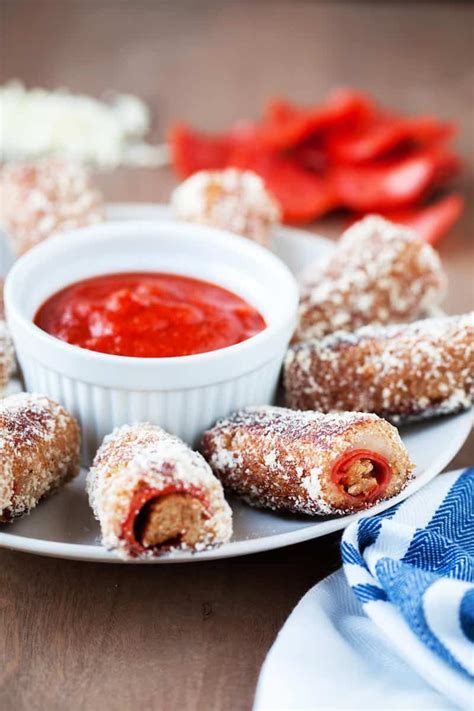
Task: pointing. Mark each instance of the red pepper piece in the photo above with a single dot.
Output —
(386, 135)
(434, 220)
(311, 154)
(392, 184)
(192, 150)
(303, 196)
(285, 124)
(381, 471)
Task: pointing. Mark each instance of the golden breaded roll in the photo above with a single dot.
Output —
(230, 199)
(379, 273)
(42, 197)
(405, 372)
(39, 451)
(152, 494)
(307, 462)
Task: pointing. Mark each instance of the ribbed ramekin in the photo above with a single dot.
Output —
(185, 395)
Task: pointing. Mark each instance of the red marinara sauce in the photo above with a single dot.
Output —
(148, 315)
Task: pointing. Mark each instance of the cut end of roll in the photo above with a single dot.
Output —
(362, 475)
(160, 520)
(170, 519)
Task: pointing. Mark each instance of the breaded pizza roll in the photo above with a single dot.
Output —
(39, 451)
(307, 462)
(231, 199)
(152, 494)
(379, 273)
(7, 357)
(40, 198)
(405, 372)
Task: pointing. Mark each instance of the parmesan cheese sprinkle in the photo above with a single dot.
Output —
(38, 122)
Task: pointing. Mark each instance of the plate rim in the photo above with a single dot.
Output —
(163, 211)
(318, 529)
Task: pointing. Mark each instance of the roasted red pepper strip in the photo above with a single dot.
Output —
(285, 124)
(381, 472)
(303, 196)
(433, 221)
(385, 135)
(192, 151)
(392, 184)
(344, 152)
(141, 497)
(312, 155)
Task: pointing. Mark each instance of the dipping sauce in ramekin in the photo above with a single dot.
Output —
(185, 394)
(148, 315)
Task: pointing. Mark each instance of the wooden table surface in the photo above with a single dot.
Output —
(184, 637)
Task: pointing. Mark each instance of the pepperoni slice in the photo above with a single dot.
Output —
(342, 476)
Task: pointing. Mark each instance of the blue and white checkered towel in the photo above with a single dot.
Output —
(412, 570)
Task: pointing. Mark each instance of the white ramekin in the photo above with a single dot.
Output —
(185, 395)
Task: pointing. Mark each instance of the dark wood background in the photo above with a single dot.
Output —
(89, 636)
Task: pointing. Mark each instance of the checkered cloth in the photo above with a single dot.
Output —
(412, 570)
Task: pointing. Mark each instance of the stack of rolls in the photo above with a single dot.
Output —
(358, 345)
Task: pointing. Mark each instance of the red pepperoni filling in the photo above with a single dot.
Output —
(369, 485)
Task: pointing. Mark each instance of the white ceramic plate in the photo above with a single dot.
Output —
(63, 526)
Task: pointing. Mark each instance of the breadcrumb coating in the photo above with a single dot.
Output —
(39, 451)
(144, 456)
(403, 372)
(285, 459)
(7, 356)
(38, 199)
(229, 199)
(379, 273)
